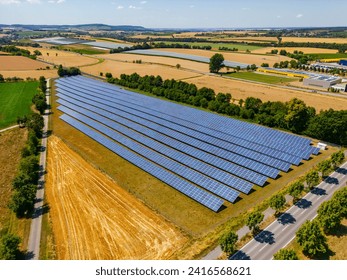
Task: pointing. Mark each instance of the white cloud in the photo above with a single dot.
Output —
(56, 1)
(278, 16)
(34, 1)
(134, 7)
(245, 9)
(299, 15)
(143, 2)
(9, 2)
(191, 6)
(120, 7)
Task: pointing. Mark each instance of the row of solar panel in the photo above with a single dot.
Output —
(180, 157)
(163, 104)
(203, 155)
(182, 127)
(175, 167)
(235, 169)
(212, 202)
(267, 132)
(146, 120)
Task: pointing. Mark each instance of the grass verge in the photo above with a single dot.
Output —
(268, 79)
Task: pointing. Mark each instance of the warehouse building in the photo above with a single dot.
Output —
(343, 62)
(322, 81)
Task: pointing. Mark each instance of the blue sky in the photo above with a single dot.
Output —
(177, 14)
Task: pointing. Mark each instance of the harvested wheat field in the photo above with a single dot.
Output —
(36, 74)
(10, 63)
(203, 67)
(291, 50)
(237, 57)
(242, 90)
(94, 218)
(67, 59)
(118, 67)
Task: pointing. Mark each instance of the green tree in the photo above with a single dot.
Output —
(22, 200)
(61, 70)
(298, 115)
(253, 221)
(36, 123)
(228, 241)
(311, 239)
(312, 179)
(277, 202)
(330, 214)
(285, 254)
(108, 75)
(2, 78)
(324, 166)
(9, 247)
(295, 190)
(42, 84)
(341, 197)
(337, 158)
(216, 63)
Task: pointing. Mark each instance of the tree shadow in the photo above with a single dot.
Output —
(340, 231)
(265, 237)
(318, 191)
(239, 255)
(341, 171)
(331, 180)
(28, 255)
(44, 209)
(303, 203)
(286, 218)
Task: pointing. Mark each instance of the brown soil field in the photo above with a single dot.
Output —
(93, 218)
(3, 53)
(203, 67)
(291, 50)
(67, 59)
(117, 68)
(30, 73)
(240, 89)
(10, 63)
(237, 57)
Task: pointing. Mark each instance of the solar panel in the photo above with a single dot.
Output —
(181, 170)
(210, 201)
(232, 168)
(182, 110)
(199, 132)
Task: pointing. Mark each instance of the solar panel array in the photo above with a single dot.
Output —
(206, 156)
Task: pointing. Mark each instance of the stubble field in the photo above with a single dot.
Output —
(93, 218)
(17, 63)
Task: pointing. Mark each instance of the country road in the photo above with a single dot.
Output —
(36, 224)
(282, 231)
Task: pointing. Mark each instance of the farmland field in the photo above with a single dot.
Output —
(67, 59)
(251, 76)
(15, 100)
(16, 63)
(118, 67)
(168, 61)
(216, 46)
(237, 57)
(243, 89)
(329, 55)
(85, 201)
(292, 49)
(35, 74)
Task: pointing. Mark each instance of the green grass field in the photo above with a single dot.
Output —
(251, 76)
(15, 100)
(215, 46)
(329, 55)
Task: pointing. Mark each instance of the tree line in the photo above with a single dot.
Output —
(294, 115)
(24, 185)
(17, 51)
(72, 71)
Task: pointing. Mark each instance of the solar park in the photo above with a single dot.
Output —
(207, 157)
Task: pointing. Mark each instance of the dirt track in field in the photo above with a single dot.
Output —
(93, 218)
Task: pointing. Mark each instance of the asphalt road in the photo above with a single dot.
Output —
(36, 223)
(282, 231)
